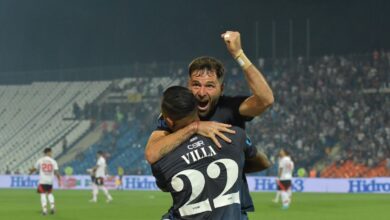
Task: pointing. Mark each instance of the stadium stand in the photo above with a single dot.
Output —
(39, 115)
(124, 139)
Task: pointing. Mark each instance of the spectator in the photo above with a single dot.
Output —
(76, 111)
(7, 171)
(64, 145)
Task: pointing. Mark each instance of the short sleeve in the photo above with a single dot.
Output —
(281, 163)
(55, 164)
(100, 162)
(250, 150)
(160, 180)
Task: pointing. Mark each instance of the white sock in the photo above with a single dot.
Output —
(277, 196)
(95, 192)
(106, 192)
(289, 194)
(43, 202)
(51, 200)
(285, 198)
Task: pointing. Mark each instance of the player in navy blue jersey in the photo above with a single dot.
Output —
(217, 112)
(204, 181)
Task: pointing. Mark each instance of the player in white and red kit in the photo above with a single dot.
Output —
(286, 168)
(48, 168)
(99, 172)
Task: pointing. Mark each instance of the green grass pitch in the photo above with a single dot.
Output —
(145, 205)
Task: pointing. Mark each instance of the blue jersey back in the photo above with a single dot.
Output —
(204, 181)
(226, 111)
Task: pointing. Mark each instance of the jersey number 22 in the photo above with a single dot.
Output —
(197, 181)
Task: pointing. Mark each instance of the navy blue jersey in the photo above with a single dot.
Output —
(226, 111)
(205, 181)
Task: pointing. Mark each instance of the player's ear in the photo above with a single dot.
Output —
(169, 122)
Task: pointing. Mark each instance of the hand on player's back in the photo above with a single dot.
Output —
(213, 129)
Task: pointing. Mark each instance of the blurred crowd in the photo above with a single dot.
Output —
(334, 102)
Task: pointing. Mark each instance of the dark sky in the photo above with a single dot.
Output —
(55, 34)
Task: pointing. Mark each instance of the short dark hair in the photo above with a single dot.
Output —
(209, 63)
(178, 102)
(47, 150)
(100, 152)
(286, 152)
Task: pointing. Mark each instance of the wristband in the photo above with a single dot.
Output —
(242, 60)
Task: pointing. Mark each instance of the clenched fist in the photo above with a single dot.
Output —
(232, 40)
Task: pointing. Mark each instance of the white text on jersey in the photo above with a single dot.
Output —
(198, 154)
(195, 145)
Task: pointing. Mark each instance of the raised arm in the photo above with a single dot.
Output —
(262, 96)
(161, 143)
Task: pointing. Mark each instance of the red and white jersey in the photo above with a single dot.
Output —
(286, 165)
(46, 166)
(101, 167)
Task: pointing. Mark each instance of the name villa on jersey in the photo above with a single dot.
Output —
(198, 151)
